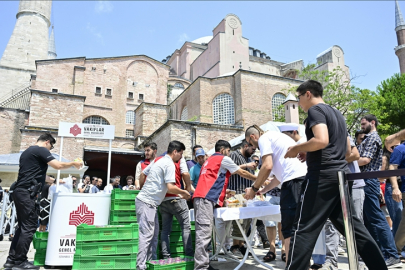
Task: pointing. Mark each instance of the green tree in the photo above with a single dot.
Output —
(391, 104)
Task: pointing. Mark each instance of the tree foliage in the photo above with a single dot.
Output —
(391, 104)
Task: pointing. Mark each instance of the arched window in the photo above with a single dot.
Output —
(276, 101)
(224, 112)
(184, 114)
(130, 117)
(96, 120)
(179, 85)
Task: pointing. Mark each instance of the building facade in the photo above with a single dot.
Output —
(209, 89)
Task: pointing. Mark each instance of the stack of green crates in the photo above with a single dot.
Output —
(176, 239)
(40, 242)
(106, 247)
(123, 210)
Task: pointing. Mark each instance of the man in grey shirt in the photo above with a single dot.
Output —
(161, 179)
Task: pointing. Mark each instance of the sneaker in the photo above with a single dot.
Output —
(393, 262)
(9, 263)
(221, 252)
(341, 251)
(403, 254)
(328, 266)
(236, 252)
(25, 265)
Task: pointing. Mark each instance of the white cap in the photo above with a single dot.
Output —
(288, 127)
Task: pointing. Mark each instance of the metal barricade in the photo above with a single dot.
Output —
(346, 206)
(8, 216)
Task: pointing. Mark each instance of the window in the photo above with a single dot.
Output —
(179, 85)
(54, 90)
(140, 96)
(108, 92)
(130, 117)
(131, 95)
(184, 114)
(134, 83)
(95, 120)
(129, 133)
(276, 101)
(98, 90)
(224, 111)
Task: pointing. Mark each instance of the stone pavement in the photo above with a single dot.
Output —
(250, 264)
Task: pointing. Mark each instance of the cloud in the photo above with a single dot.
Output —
(95, 33)
(103, 7)
(183, 38)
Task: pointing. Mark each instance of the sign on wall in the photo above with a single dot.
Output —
(81, 130)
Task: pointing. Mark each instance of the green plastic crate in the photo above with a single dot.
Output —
(41, 235)
(39, 243)
(176, 227)
(123, 216)
(107, 232)
(39, 257)
(106, 248)
(176, 266)
(119, 194)
(123, 205)
(172, 254)
(104, 262)
(117, 223)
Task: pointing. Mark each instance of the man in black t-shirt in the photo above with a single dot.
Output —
(325, 153)
(33, 166)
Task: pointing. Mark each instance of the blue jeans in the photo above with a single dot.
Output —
(375, 221)
(394, 208)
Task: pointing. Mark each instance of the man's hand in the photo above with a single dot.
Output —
(185, 195)
(302, 156)
(391, 141)
(251, 165)
(249, 194)
(266, 182)
(397, 195)
(137, 187)
(191, 189)
(291, 152)
(77, 164)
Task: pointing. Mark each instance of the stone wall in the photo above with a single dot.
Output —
(149, 117)
(11, 121)
(48, 109)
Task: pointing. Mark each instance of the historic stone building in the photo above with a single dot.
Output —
(209, 89)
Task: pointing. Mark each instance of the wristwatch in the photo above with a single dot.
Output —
(254, 189)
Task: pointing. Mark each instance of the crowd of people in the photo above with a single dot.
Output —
(296, 171)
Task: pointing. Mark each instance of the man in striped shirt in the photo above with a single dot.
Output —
(239, 184)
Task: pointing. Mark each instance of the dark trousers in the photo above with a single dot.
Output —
(27, 217)
(375, 221)
(261, 229)
(320, 200)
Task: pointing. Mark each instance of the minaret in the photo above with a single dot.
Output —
(400, 29)
(28, 42)
(51, 46)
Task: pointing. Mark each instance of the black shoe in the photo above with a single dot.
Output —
(9, 263)
(25, 265)
(266, 245)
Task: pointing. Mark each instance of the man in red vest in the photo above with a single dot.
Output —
(150, 154)
(161, 180)
(175, 205)
(209, 193)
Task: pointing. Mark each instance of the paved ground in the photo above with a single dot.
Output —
(278, 264)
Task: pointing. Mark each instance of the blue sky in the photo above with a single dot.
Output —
(285, 30)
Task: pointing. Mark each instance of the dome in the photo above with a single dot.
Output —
(202, 40)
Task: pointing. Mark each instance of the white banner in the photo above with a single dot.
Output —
(68, 211)
(81, 130)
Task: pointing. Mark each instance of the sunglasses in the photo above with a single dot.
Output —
(256, 161)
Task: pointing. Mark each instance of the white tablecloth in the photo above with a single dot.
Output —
(271, 212)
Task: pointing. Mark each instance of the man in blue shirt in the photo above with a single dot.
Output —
(195, 170)
(397, 161)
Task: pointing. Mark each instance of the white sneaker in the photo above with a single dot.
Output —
(362, 266)
(341, 251)
(328, 266)
(393, 263)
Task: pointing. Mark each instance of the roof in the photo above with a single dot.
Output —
(399, 20)
(271, 125)
(14, 159)
(202, 40)
(290, 97)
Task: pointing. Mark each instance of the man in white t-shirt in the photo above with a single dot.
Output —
(292, 131)
(161, 180)
(289, 172)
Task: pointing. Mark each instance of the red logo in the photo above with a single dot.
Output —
(81, 215)
(75, 130)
